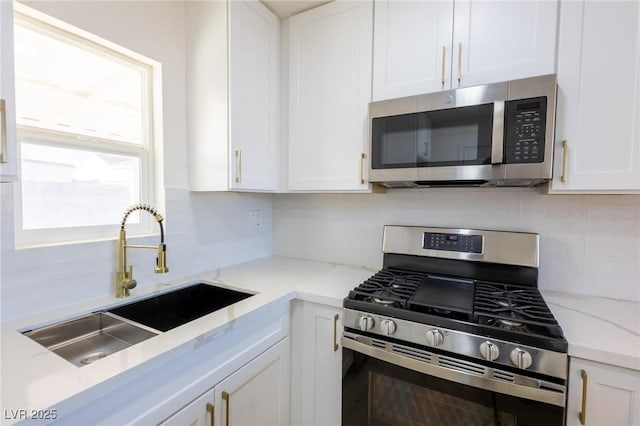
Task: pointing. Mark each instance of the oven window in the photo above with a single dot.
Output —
(395, 402)
(451, 137)
(376, 393)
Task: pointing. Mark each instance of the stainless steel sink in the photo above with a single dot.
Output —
(90, 338)
(95, 336)
(175, 308)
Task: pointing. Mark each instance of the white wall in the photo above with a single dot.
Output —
(204, 230)
(588, 244)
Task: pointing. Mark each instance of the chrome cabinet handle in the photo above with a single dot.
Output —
(582, 415)
(459, 63)
(565, 159)
(3, 131)
(238, 166)
(225, 398)
(335, 332)
(363, 156)
(211, 411)
(444, 49)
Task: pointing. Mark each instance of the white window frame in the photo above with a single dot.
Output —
(150, 153)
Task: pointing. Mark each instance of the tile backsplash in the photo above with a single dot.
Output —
(589, 244)
(203, 231)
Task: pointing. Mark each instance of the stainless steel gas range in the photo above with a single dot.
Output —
(453, 331)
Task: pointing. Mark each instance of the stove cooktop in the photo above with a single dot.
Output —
(511, 312)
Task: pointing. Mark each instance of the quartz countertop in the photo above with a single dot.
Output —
(597, 329)
(33, 378)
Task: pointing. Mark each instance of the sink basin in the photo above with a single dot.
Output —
(169, 310)
(90, 338)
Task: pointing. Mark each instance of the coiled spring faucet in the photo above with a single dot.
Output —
(124, 275)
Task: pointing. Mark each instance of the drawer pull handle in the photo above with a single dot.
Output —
(444, 49)
(225, 398)
(363, 156)
(459, 63)
(238, 166)
(3, 131)
(335, 332)
(565, 159)
(211, 411)
(582, 415)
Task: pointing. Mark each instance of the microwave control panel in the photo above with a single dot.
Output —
(452, 242)
(525, 130)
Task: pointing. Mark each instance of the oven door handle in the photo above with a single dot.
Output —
(535, 394)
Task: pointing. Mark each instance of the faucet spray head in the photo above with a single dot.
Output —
(161, 260)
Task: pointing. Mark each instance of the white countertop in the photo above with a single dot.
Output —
(599, 329)
(34, 378)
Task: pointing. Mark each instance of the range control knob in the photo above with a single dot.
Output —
(489, 351)
(388, 327)
(435, 337)
(521, 358)
(366, 322)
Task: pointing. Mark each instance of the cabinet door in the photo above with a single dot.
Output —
(612, 394)
(411, 47)
(259, 393)
(598, 97)
(197, 413)
(497, 40)
(329, 91)
(317, 366)
(254, 36)
(8, 145)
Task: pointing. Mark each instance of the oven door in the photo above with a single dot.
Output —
(390, 384)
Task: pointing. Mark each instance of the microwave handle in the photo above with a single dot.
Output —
(497, 137)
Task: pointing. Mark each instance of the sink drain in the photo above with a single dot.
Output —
(93, 357)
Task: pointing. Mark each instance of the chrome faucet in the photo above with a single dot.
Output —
(124, 277)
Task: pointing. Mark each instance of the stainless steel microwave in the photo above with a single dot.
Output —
(498, 134)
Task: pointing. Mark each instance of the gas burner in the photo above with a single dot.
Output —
(506, 303)
(385, 302)
(509, 323)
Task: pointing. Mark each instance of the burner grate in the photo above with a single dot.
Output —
(514, 308)
(388, 287)
(503, 309)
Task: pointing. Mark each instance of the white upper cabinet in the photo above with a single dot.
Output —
(598, 98)
(503, 40)
(412, 47)
(8, 145)
(422, 47)
(232, 95)
(253, 84)
(329, 92)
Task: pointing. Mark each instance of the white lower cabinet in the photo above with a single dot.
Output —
(258, 394)
(316, 365)
(198, 413)
(602, 394)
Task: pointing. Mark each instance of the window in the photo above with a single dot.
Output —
(86, 129)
